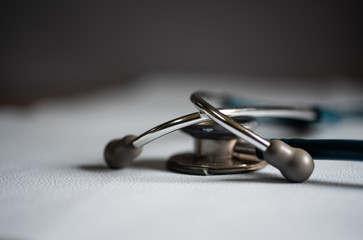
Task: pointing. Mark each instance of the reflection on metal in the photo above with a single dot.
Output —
(298, 113)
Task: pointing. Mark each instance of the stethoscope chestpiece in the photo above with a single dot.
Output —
(215, 153)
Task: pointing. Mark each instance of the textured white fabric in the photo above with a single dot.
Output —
(54, 184)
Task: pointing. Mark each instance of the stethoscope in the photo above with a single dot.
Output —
(225, 142)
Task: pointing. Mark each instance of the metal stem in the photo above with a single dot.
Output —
(228, 123)
(299, 113)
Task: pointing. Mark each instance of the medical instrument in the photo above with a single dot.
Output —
(226, 144)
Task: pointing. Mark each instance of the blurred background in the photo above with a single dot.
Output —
(57, 48)
(75, 74)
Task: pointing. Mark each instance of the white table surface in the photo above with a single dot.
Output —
(55, 185)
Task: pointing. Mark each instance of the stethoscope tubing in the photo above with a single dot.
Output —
(327, 149)
(319, 148)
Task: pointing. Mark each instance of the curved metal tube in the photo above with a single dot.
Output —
(298, 113)
(228, 123)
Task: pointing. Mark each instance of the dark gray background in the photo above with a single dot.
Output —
(60, 47)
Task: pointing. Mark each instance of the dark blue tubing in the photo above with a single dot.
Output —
(331, 149)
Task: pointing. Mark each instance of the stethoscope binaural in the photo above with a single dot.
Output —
(226, 144)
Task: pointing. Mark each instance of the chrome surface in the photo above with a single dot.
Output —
(227, 122)
(216, 156)
(298, 113)
(208, 148)
(194, 164)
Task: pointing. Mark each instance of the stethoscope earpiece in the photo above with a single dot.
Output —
(295, 164)
(120, 153)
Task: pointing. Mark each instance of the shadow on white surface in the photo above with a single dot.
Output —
(248, 177)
